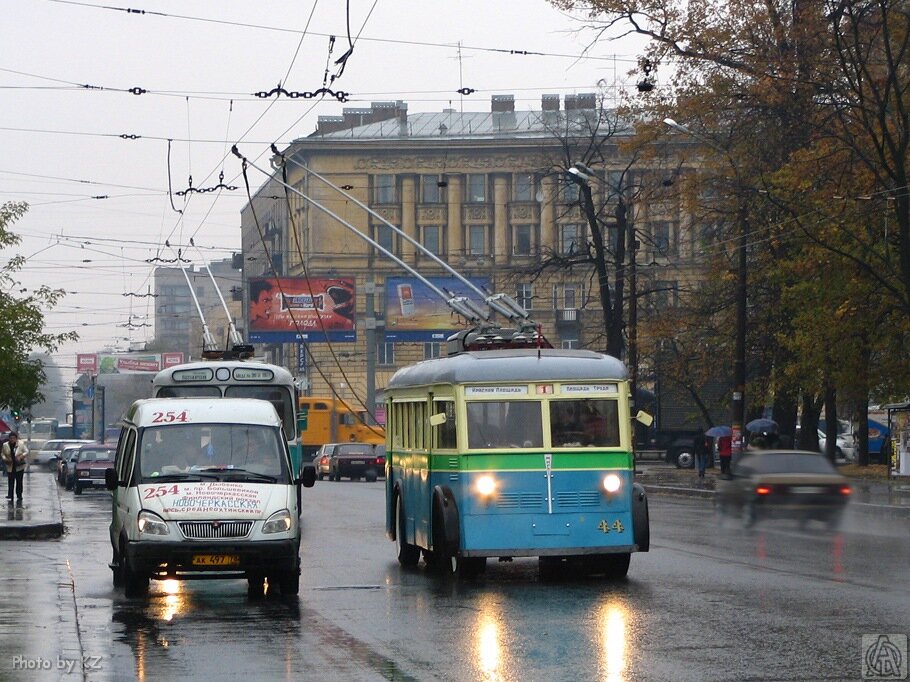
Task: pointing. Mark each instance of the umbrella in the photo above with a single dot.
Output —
(719, 431)
(762, 426)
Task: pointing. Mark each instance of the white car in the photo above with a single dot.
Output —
(846, 448)
(49, 453)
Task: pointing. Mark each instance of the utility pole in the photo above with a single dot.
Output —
(370, 289)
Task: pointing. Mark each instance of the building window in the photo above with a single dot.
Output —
(477, 188)
(385, 353)
(477, 240)
(523, 295)
(384, 236)
(664, 294)
(569, 344)
(384, 189)
(524, 187)
(662, 239)
(432, 351)
(568, 296)
(570, 192)
(432, 238)
(521, 240)
(430, 190)
(569, 239)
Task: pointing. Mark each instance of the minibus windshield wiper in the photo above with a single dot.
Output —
(188, 476)
(244, 472)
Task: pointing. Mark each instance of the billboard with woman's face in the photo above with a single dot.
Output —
(289, 309)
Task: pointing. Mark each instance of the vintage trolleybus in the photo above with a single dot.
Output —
(514, 453)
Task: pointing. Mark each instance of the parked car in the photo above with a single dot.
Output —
(91, 463)
(845, 448)
(784, 483)
(66, 465)
(48, 455)
(354, 461)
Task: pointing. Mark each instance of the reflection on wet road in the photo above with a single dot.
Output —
(711, 601)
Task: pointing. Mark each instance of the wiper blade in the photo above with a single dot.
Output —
(244, 472)
(189, 476)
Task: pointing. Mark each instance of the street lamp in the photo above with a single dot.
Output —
(737, 406)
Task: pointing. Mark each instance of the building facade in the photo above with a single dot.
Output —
(486, 192)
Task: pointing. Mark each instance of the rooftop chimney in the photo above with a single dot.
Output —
(549, 102)
(503, 103)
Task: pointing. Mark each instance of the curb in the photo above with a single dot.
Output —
(41, 530)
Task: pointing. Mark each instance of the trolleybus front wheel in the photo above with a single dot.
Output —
(408, 554)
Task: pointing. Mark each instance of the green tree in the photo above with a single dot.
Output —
(22, 323)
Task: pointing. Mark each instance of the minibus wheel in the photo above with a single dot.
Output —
(255, 586)
(134, 584)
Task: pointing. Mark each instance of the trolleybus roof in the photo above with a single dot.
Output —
(520, 364)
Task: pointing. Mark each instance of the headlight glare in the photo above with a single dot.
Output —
(612, 483)
(486, 486)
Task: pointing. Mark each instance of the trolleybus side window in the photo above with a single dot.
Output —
(445, 432)
(499, 423)
(584, 423)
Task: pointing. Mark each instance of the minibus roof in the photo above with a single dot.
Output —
(155, 411)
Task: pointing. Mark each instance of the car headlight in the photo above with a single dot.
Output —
(279, 522)
(612, 483)
(485, 486)
(84, 473)
(152, 524)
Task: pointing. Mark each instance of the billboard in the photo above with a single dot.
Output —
(414, 312)
(125, 363)
(297, 309)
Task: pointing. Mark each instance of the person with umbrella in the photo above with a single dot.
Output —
(702, 445)
(716, 435)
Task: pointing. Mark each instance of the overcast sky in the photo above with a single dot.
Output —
(62, 142)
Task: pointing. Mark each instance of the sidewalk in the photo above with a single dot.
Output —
(39, 516)
(890, 497)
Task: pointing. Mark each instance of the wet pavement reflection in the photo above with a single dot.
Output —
(712, 601)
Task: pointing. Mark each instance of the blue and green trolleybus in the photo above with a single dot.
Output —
(513, 452)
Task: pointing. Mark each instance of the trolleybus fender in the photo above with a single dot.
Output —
(641, 525)
(445, 521)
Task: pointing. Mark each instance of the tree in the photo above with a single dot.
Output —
(22, 323)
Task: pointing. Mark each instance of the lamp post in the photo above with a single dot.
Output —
(738, 402)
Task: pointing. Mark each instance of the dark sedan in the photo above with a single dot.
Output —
(784, 484)
(91, 463)
(355, 461)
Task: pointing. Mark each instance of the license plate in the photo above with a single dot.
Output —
(357, 462)
(809, 490)
(216, 560)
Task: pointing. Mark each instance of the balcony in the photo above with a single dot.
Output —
(568, 318)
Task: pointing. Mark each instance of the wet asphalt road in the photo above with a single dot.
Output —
(711, 601)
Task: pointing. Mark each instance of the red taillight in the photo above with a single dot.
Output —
(324, 460)
(846, 490)
(763, 490)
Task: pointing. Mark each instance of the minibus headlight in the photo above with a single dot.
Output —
(279, 522)
(152, 524)
(612, 483)
(485, 485)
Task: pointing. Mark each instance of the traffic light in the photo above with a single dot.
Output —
(16, 414)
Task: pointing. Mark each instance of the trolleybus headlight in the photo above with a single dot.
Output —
(152, 524)
(278, 522)
(486, 486)
(612, 483)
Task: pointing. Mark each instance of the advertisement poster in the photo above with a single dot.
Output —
(125, 363)
(414, 312)
(289, 309)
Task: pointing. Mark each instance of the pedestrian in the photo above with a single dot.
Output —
(701, 453)
(14, 458)
(725, 454)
